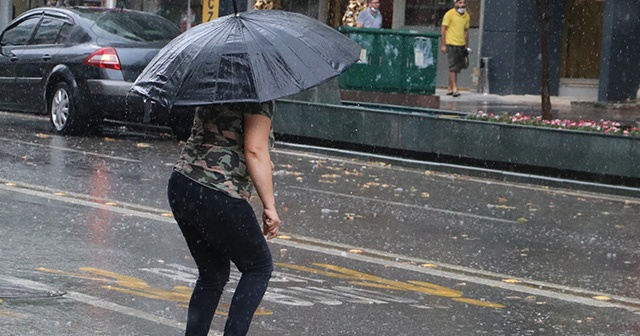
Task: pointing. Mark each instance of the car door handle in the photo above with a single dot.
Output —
(46, 58)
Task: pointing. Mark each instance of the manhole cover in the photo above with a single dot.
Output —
(8, 293)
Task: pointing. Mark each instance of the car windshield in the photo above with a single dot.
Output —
(129, 25)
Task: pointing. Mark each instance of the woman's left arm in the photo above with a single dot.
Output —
(256, 150)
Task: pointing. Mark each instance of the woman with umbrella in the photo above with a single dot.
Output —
(227, 152)
(233, 68)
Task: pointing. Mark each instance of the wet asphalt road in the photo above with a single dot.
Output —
(369, 247)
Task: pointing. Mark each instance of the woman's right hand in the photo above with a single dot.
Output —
(270, 223)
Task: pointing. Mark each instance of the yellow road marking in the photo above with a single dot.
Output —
(10, 314)
(138, 287)
(368, 280)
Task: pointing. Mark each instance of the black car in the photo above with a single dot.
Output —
(77, 64)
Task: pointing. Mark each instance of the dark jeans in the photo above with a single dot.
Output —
(218, 229)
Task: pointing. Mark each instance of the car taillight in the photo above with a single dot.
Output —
(105, 58)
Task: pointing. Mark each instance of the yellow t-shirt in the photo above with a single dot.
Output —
(456, 25)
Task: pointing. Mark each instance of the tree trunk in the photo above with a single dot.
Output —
(542, 15)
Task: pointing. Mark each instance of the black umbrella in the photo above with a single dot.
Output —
(252, 56)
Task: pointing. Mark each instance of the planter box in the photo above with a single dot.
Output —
(445, 133)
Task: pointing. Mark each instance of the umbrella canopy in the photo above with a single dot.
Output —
(252, 56)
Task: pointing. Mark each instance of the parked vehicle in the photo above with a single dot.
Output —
(77, 64)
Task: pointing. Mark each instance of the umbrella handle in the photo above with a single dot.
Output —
(235, 7)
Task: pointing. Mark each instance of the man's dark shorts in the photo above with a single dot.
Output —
(456, 56)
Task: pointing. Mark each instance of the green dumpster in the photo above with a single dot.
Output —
(399, 61)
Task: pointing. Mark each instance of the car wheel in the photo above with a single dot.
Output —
(65, 117)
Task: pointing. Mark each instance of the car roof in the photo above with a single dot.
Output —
(79, 9)
(86, 16)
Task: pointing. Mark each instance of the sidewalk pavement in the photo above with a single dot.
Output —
(471, 96)
(563, 107)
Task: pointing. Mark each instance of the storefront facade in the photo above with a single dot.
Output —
(593, 43)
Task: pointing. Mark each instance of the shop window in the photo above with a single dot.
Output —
(430, 12)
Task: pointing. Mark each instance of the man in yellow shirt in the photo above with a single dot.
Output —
(455, 40)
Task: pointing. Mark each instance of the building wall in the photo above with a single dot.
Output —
(512, 40)
(619, 64)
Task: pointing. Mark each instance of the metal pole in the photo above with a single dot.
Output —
(323, 8)
(399, 9)
(6, 13)
(188, 15)
(480, 30)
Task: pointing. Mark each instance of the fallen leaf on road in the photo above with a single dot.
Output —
(429, 265)
(352, 216)
(511, 280)
(379, 163)
(507, 207)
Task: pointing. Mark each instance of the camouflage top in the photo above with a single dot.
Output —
(214, 154)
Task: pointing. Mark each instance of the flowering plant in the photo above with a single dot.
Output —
(602, 126)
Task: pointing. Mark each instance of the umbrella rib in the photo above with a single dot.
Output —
(284, 42)
(205, 36)
(256, 36)
(202, 34)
